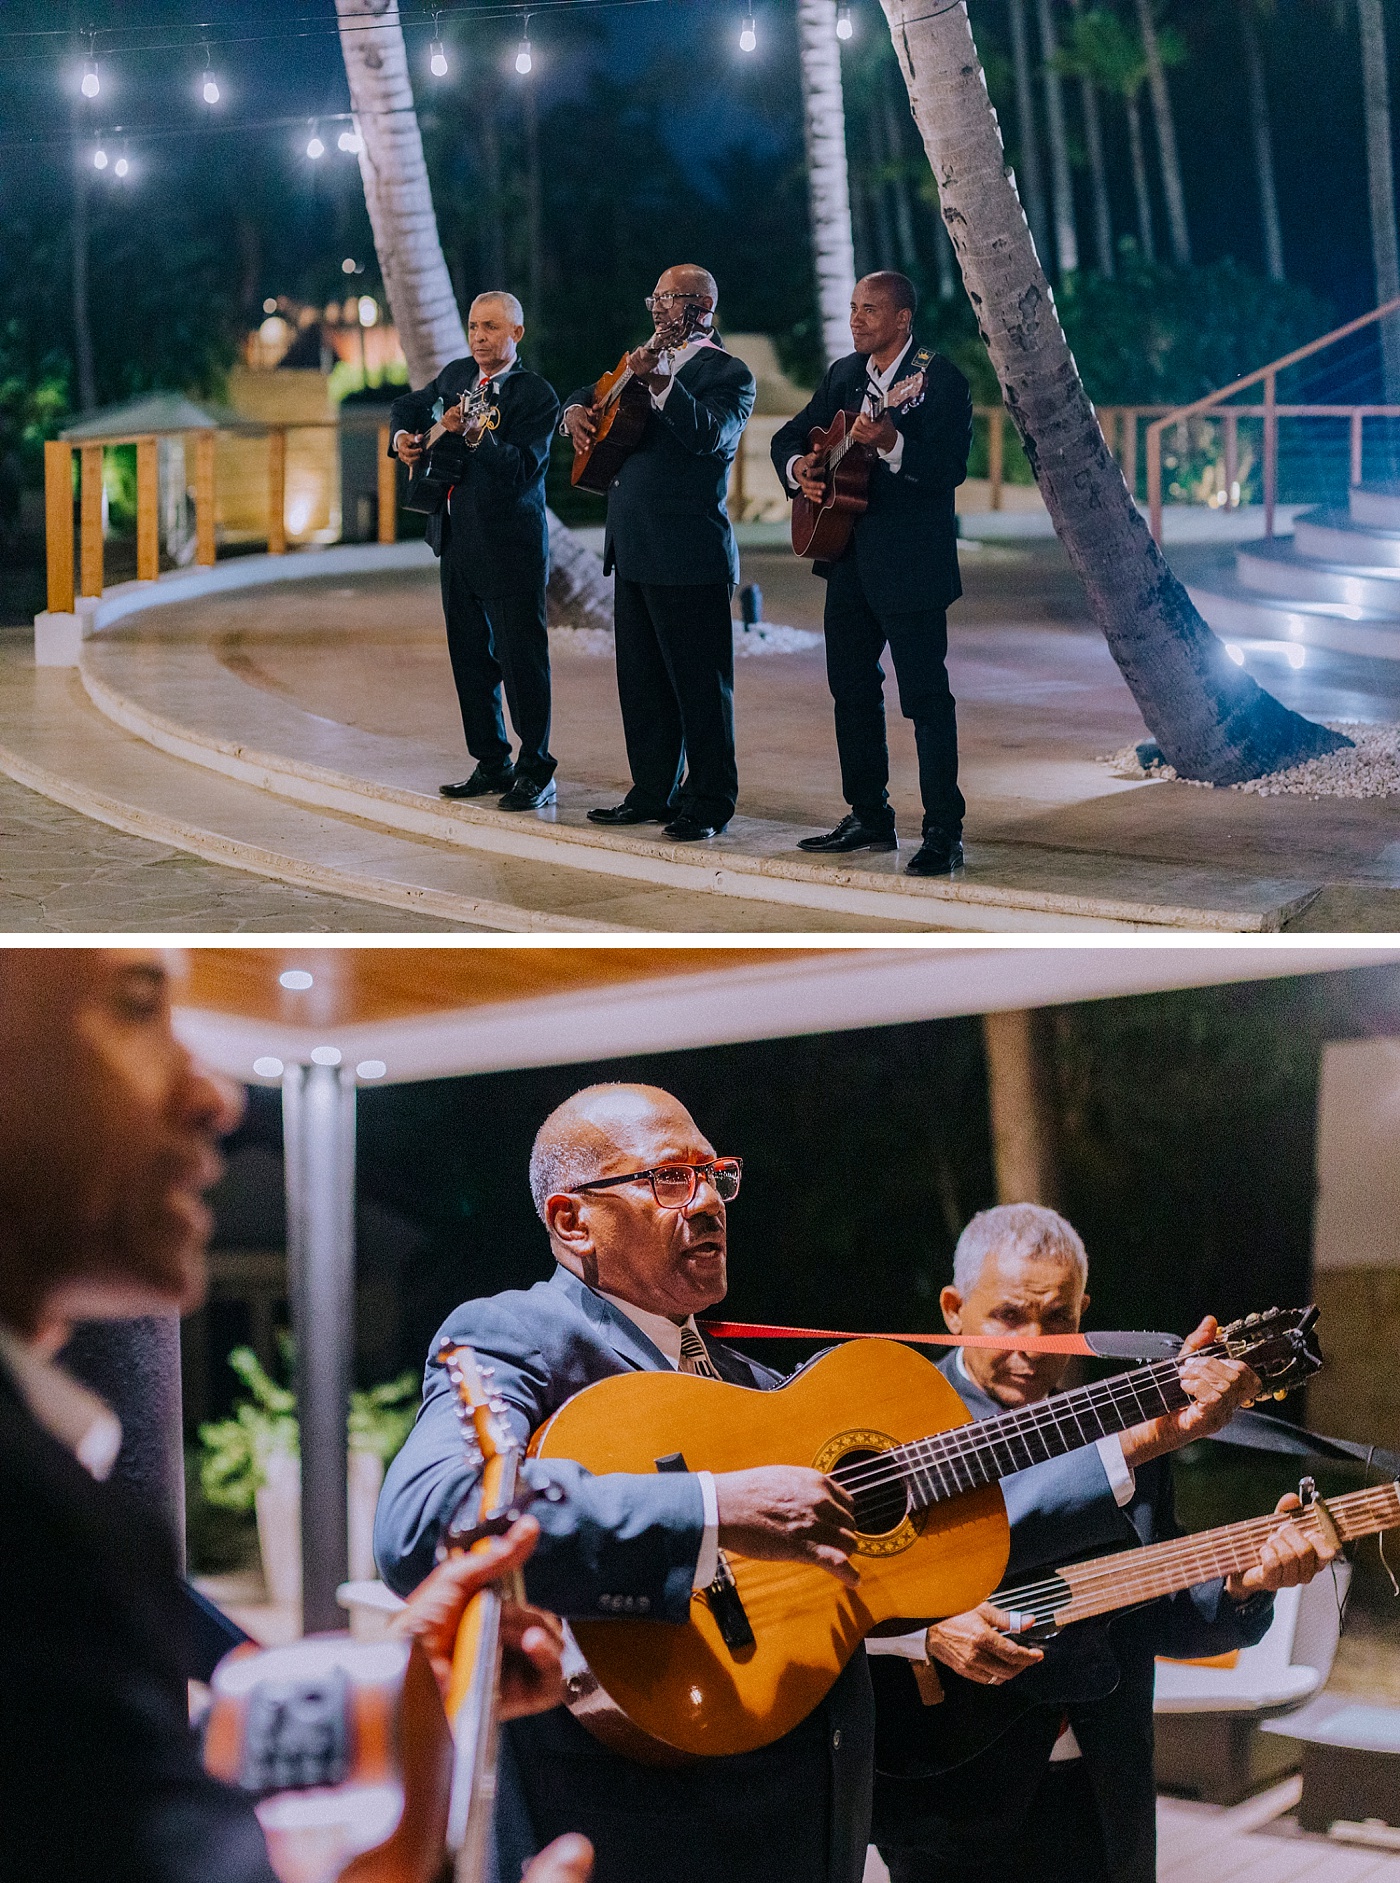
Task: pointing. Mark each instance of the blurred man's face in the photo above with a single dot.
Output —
(108, 1138)
(492, 335)
(877, 324)
(1039, 1295)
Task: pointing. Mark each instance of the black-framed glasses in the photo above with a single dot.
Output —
(668, 299)
(674, 1185)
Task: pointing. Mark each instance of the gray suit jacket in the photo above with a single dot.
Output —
(794, 1812)
(1061, 1512)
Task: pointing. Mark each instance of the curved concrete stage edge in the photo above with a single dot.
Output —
(158, 731)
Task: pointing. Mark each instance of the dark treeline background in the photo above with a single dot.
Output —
(643, 135)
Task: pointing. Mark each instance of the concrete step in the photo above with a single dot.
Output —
(168, 688)
(1377, 504)
(53, 740)
(1276, 568)
(1336, 536)
(1240, 613)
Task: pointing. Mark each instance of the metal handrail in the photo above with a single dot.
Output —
(63, 588)
(1213, 404)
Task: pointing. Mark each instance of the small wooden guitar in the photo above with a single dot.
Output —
(362, 1775)
(915, 1739)
(933, 1536)
(822, 530)
(623, 405)
(446, 453)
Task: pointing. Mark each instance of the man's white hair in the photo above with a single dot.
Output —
(507, 301)
(1017, 1232)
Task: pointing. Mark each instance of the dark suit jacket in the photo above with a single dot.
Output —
(101, 1776)
(1061, 1512)
(905, 545)
(497, 518)
(667, 521)
(795, 1812)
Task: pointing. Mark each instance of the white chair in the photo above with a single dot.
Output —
(1207, 1745)
(371, 1607)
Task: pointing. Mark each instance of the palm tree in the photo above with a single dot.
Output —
(411, 261)
(1075, 66)
(1212, 721)
(1028, 169)
(1061, 183)
(1263, 138)
(828, 186)
(1380, 175)
(1166, 134)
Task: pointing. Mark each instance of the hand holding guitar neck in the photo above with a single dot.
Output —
(1219, 1387)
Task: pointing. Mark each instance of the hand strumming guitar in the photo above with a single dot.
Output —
(581, 423)
(810, 480)
(408, 447)
(878, 433)
(788, 1514)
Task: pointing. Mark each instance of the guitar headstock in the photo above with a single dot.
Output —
(480, 1411)
(905, 392)
(1280, 1345)
(675, 331)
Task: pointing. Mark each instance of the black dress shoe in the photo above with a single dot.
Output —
(852, 834)
(528, 794)
(625, 814)
(487, 781)
(688, 829)
(939, 855)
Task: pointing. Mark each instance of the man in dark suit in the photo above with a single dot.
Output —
(634, 1201)
(670, 542)
(892, 586)
(1066, 1795)
(108, 1134)
(493, 540)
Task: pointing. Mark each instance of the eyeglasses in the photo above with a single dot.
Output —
(674, 1185)
(653, 301)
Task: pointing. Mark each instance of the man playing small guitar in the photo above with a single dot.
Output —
(892, 584)
(670, 542)
(491, 535)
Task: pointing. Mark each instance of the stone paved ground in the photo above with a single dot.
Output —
(64, 874)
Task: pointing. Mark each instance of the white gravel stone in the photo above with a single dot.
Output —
(1369, 769)
(767, 638)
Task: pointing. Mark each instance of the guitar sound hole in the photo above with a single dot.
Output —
(880, 1508)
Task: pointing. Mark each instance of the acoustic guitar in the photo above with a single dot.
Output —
(933, 1536)
(822, 530)
(921, 1738)
(623, 406)
(361, 1773)
(446, 454)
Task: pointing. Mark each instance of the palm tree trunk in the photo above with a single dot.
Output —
(1098, 173)
(1380, 176)
(416, 281)
(1028, 170)
(1021, 1100)
(824, 124)
(1146, 240)
(1263, 142)
(944, 259)
(1061, 183)
(1211, 719)
(1166, 136)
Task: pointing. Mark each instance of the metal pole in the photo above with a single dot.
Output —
(135, 1367)
(318, 1123)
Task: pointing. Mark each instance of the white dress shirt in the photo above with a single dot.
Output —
(1121, 1481)
(666, 1335)
(67, 1411)
(879, 382)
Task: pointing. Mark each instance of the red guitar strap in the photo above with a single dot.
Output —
(1127, 1346)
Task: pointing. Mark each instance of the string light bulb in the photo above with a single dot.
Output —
(122, 166)
(315, 148)
(92, 84)
(523, 60)
(844, 26)
(350, 141)
(210, 88)
(99, 159)
(748, 35)
(437, 64)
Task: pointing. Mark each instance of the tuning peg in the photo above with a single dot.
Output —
(1251, 1320)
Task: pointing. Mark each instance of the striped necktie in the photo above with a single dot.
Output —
(694, 1357)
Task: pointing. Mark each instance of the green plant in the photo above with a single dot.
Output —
(235, 1451)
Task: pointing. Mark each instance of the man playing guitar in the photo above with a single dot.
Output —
(493, 541)
(670, 542)
(893, 584)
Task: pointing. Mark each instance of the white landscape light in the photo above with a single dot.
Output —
(844, 27)
(296, 978)
(325, 1055)
(267, 1067)
(371, 1069)
(1236, 652)
(748, 35)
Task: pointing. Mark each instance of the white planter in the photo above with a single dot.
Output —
(278, 1504)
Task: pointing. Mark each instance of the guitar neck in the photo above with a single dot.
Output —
(964, 1459)
(1098, 1587)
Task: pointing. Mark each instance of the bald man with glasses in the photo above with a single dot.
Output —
(634, 1200)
